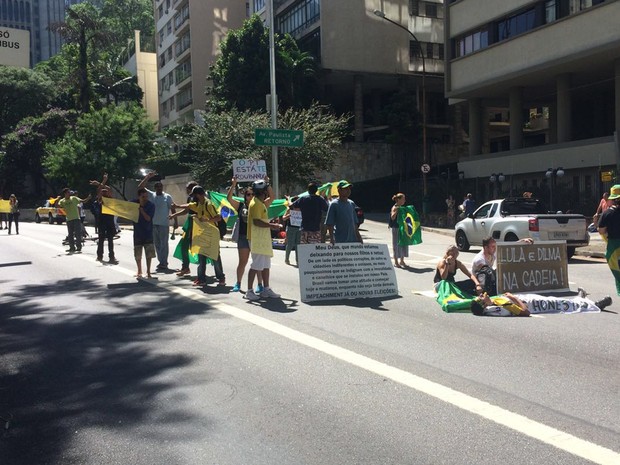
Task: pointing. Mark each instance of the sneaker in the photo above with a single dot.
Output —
(99, 259)
(222, 282)
(198, 283)
(183, 272)
(250, 295)
(161, 267)
(581, 292)
(268, 293)
(113, 261)
(236, 287)
(604, 302)
(259, 288)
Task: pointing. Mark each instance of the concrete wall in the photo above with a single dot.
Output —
(468, 14)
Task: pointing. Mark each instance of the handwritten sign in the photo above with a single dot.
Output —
(249, 170)
(295, 218)
(345, 271)
(542, 266)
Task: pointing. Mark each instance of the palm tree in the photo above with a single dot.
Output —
(86, 28)
(298, 73)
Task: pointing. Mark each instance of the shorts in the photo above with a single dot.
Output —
(310, 237)
(243, 243)
(260, 262)
(149, 250)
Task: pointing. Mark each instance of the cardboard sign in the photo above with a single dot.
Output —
(542, 266)
(249, 170)
(345, 271)
(295, 218)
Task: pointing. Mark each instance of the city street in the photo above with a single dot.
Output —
(99, 368)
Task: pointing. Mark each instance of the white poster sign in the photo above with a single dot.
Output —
(295, 218)
(14, 47)
(249, 170)
(345, 271)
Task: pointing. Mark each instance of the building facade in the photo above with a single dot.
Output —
(143, 65)
(189, 33)
(36, 16)
(539, 84)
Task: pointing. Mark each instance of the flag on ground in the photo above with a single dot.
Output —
(452, 299)
(409, 230)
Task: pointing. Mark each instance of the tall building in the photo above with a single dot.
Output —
(36, 16)
(189, 33)
(540, 82)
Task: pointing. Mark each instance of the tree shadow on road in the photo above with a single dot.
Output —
(65, 372)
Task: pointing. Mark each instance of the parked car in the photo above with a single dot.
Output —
(512, 219)
(51, 213)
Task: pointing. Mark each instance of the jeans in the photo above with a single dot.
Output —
(160, 240)
(217, 265)
(14, 217)
(106, 231)
(74, 227)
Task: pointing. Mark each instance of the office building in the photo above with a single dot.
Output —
(540, 84)
(189, 33)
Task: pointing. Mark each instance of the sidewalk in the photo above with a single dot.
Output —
(596, 249)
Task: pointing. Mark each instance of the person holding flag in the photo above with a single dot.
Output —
(406, 228)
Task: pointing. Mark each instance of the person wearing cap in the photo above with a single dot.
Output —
(609, 228)
(205, 212)
(70, 204)
(161, 228)
(342, 221)
(312, 207)
(259, 236)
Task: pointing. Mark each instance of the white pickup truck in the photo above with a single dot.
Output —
(512, 219)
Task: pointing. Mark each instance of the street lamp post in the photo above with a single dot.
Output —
(496, 179)
(552, 174)
(382, 15)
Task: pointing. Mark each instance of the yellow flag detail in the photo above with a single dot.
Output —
(122, 208)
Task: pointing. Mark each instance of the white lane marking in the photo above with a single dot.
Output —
(519, 423)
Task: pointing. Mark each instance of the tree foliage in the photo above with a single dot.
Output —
(25, 147)
(123, 17)
(240, 75)
(23, 93)
(402, 116)
(208, 150)
(114, 139)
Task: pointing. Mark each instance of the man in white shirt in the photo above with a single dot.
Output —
(161, 228)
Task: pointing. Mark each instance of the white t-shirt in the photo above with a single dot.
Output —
(480, 261)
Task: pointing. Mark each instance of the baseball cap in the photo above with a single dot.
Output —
(344, 184)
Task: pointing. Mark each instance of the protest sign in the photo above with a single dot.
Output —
(542, 266)
(249, 170)
(345, 271)
(295, 218)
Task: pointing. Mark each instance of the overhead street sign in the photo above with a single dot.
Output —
(279, 137)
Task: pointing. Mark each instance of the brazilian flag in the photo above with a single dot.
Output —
(224, 208)
(409, 230)
(452, 299)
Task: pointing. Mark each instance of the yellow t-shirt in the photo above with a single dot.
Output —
(260, 238)
(506, 303)
(203, 210)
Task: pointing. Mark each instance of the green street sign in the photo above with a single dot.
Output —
(279, 137)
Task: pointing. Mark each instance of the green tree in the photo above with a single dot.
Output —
(124, 17)
(25, 147)
(403, 118)
(115, 139)
(86, 28)
(23, 93)
(240, 75)
(209, 150)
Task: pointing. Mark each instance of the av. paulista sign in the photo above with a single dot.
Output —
(14, 47)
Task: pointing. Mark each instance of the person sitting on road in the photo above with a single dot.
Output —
(446, 270)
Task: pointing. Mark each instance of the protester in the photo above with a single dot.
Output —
(400, 251)
(186, 240)
(14, 213)
(505, 304)
(74, 228)
(483, 264)
(446, 271)
(204, 212)
(161, 228)
(143, 233)
(312, 207)
(104, 223)
(293, 235)
(241, 233)
(342, 221)
(259, 236)
(609, 228)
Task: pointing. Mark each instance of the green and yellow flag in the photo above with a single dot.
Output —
(409, 228)
(122, 208)
(224, 208)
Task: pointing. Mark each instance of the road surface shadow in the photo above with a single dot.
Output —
(67, 373)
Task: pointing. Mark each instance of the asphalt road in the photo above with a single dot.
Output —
(98, 368)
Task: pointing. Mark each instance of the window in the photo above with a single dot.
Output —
(183, 71)
(515, 25)
(182, 44)
(259, 5)
(414, 8)
(550, 11)
(430, 10)
(160, 11)
(299, 17)
(184, 98)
